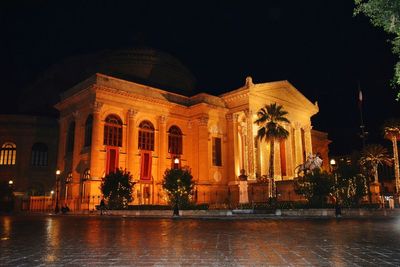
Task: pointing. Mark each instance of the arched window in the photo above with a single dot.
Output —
(175, 140)
(146, 136)
(113, 131)
(8, 154)
(70, 137)
(88, 130)
(39, 155)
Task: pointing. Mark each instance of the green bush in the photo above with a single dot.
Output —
(117, 188)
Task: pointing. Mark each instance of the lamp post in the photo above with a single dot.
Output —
(57, 209)
(176, 207)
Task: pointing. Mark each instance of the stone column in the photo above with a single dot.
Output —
(308, 139)
(250, 146)
(236, 145)
(95, 162)
(61, 144)
(298, 145)
(202, 125)
(162, 153)
(289, 154)
(131, 137)
(230, 164)
(78, 138)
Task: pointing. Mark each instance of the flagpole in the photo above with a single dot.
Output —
(362, 126)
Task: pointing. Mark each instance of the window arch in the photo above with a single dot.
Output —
(146, 136)
(70, 137)
(113, 131)
(8, 154)
(175, 140)
(88, 130)
(39, 156)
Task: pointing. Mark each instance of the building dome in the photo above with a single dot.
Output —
(142, 65)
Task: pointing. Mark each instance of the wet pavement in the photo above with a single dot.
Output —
(57, 240)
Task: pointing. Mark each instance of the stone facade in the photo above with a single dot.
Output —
(28, 153)
(218, 137)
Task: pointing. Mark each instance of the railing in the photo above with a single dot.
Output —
(216, 198)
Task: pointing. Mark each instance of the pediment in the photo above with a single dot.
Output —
(284, 93)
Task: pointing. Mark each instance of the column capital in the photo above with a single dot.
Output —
(76, 114)
(248, 112)
(229, 117)
(296, 125)
(131, 113)
(163, 119)
(307, 127)
(203, 120)
(97, 106)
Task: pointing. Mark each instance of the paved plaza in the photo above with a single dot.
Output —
(57, 240)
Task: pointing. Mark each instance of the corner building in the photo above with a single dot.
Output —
(108, 123)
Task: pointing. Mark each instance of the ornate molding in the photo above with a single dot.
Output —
(229, 117)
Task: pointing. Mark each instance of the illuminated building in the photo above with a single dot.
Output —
(108, 123)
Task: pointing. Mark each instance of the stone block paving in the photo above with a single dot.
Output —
(57, 240)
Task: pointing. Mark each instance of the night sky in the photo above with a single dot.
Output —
(316, 45)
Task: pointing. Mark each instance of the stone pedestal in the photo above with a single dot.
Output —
(375, 192)
(243, 188)
(243, 192)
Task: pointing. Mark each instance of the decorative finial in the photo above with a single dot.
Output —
(316, 104)
(249, 81)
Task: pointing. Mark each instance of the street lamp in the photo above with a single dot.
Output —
(176, 163)
(10, 183)
(176, 207)
(57, 209)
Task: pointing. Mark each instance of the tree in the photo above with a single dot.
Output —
(384, 14)
(315, 186)
(179, 184)
(350, 185)
(269, 121)
(372, 156)
(117, 188)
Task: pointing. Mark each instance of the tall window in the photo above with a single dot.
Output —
(175, 140)
(8, 154)
(70, 137)
(216, 151)
(88, 130)
(39, 155)
(146, 136)
(113, 131)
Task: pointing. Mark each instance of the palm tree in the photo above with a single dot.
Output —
(372, 156)
(391, 130)
(269, 121)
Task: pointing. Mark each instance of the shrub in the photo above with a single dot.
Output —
(117, 188)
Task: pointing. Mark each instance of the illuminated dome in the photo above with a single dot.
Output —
(142, 65)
